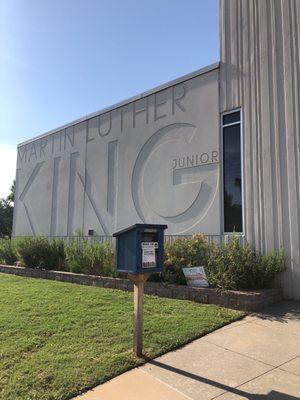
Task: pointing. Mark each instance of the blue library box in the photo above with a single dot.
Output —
(140, 249)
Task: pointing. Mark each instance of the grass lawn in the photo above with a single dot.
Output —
(58, 339)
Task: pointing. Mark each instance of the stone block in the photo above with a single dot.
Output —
(198, 295)
(164, 292)
(241, 300)
(109, 283)
(121, 284)
(181, 292)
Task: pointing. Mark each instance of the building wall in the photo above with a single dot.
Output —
(259, 71)
(153, 159)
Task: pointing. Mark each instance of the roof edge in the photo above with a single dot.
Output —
(129, 100)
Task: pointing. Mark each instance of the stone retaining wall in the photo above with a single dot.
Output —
(242, 300)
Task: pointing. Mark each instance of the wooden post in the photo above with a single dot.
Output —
(138, 281)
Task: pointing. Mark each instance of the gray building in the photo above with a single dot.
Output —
(216, 151)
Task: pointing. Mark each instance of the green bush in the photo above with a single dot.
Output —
(39, 252)
(8, 254)
(85, 257)
(188, 252)
(228, 266)
(235, 266)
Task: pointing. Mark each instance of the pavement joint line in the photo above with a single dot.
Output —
(240, 354)
(292, 359)
(207, 381)
(245, 355)
(166, 384)
(289, 372)
(213, 383)
(225, 327)
(231, 327)
(232, 390)
(272, 367)
(260, 375)
(286, 362)
(257, 322)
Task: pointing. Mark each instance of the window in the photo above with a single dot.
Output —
(232, 172)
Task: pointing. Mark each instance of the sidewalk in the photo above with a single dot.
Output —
(255, 358)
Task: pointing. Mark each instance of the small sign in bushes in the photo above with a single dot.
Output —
(195, 277)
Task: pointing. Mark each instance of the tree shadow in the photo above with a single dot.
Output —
(272, 395)
(280, 312)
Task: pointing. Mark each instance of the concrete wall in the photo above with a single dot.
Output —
(152, 159)
(260, 71)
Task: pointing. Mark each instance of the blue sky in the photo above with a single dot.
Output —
(62, 59)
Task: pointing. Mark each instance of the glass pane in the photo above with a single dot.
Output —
(232, 179)
(231, 118)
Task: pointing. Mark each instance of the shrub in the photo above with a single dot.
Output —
(8, 254)
(39, 252)
(235, 266)
(57, 247)
(85, 257)
(181, 253)
(270, 266)
(228, 266)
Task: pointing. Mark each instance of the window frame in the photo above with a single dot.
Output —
(222, 126)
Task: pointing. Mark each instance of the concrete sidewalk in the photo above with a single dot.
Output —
(255, 358)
